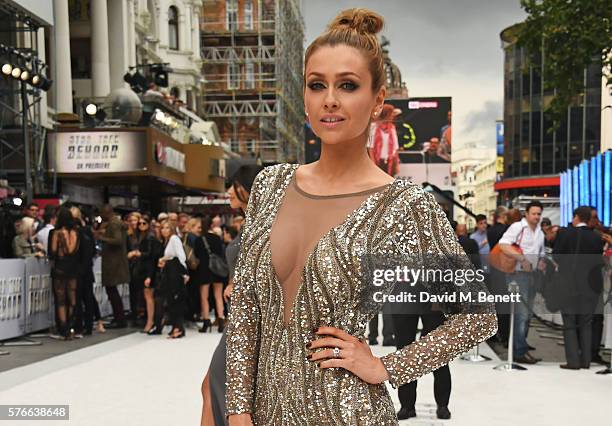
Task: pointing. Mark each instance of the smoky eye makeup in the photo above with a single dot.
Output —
(345, 85)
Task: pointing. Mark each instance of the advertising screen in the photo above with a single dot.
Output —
(588, 184)
(413, 139)
(499, 131)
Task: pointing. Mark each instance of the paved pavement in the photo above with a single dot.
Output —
(150, 380)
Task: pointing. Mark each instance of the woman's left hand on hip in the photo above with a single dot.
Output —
(348, 352)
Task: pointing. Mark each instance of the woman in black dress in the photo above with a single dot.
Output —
(63, 251)
(199, 278)
(213, 244)
(146, 256)
(85, 291)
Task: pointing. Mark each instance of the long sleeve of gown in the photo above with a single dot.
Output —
(466, 324)
(243, 323)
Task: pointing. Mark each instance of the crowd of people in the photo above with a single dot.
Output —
(575, 260)
(174, 264)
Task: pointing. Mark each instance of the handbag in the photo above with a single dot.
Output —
(191, 259)
(216, 263)
(501, 261)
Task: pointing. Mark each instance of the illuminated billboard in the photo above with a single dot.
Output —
(97, 152)
(413, 138)
(588, 184)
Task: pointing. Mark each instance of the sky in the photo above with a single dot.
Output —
(442, 48)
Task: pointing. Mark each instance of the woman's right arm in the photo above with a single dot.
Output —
(243, 330)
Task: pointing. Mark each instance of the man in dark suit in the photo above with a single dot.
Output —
(579, 253)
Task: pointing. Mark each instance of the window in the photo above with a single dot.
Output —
(248, 15)
(233, 76)
(80, 60)
(249, 71)
(173, 28)
(231, 14)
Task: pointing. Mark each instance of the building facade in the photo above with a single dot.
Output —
(396, 86)
(253, 60)
(94, 44)
(465, 162)
(534, 155)
(485, 196)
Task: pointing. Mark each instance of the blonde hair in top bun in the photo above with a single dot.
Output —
(356, 28)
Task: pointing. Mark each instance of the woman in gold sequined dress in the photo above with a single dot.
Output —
(296, 353)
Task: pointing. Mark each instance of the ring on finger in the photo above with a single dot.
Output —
(336, 352)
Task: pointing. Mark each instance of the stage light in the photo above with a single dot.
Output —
(25, 75)
(160, 116)
(41, 82)
(137, 81)
(16, 73)
(7, 69)
(91, 109)
(160, 74)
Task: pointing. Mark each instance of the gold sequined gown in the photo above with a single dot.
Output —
(313, 279)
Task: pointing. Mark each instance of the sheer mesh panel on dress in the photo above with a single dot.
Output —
(301, 221)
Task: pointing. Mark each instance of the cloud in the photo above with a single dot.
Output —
(483, 119)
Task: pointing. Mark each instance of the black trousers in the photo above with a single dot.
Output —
(116, 303)
(405, 328)
(387, 330)
(577, 336)
(86, 305)
(596, 334)
(175, 307)
(136, 296)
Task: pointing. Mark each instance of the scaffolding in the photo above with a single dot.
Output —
(21, 147)
(252, 52)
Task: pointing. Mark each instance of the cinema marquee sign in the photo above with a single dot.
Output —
(97, 152)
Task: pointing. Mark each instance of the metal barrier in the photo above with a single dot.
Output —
(12, 301)
(38, 295)
(26, 296)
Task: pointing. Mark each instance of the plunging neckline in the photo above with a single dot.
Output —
(379, 193)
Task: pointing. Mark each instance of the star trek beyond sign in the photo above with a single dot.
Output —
(97, 152)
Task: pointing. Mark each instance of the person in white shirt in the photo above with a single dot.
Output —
(173, 279)
(528, 235)
(42, 236)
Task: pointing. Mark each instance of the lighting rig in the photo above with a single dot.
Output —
(15, 65)
(25, 68)
(155, 73)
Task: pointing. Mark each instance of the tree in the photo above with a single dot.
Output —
(571, 34)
